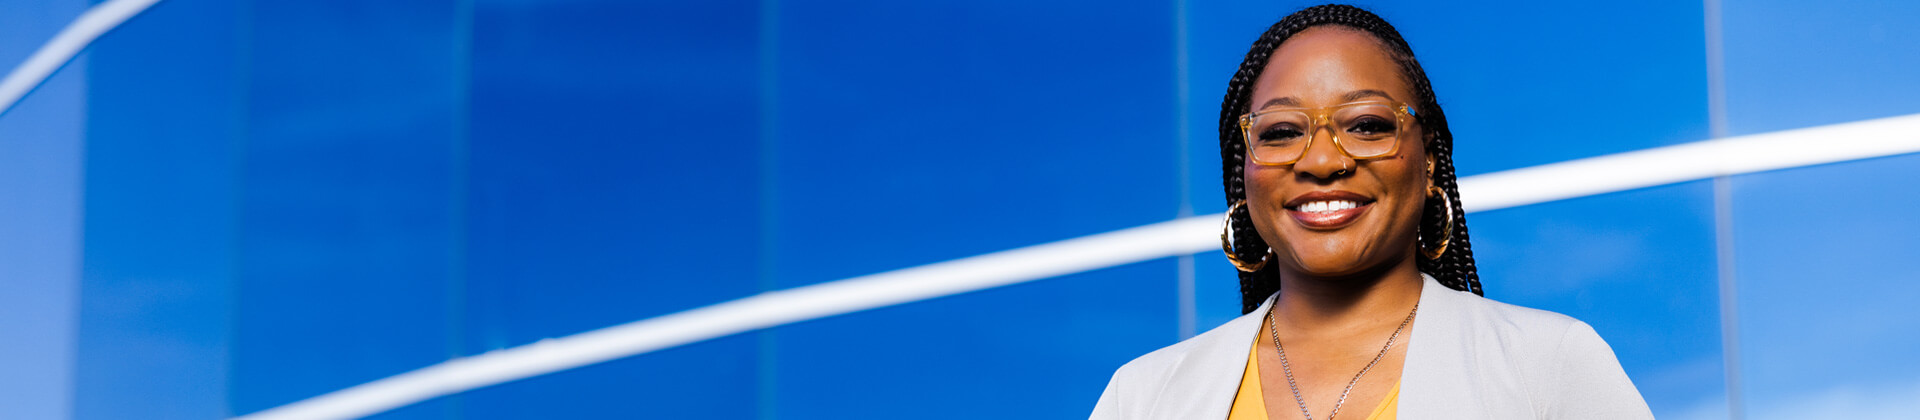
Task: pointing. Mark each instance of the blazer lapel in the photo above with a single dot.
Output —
(1204, 384)
(1434, 379)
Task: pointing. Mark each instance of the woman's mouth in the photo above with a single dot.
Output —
(1328, 210)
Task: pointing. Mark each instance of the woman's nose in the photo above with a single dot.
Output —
(1323, 159)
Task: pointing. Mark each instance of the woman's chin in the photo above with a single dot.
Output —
(1330, 265)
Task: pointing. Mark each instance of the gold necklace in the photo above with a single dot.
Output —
(1288, 369)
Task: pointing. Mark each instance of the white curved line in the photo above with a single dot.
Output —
(64, 46)
(759, 311)
(1577, 178)
(1691, 161)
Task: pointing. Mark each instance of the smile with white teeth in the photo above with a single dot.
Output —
(1327, 206)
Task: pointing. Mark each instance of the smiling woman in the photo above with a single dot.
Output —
(1358, 285)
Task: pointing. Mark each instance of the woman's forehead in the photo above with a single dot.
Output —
(1327, 65)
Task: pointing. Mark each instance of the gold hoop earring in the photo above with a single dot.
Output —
(1226, 243)
(1446, 233)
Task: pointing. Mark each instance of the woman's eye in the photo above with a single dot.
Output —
(1371, 125)
(1280, 133)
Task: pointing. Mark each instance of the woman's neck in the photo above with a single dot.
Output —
(1360, 300)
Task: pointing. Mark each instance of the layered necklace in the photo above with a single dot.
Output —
(1284, 367)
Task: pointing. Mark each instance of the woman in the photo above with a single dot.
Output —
(1358, 285)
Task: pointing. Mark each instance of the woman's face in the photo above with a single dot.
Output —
(1321, 67)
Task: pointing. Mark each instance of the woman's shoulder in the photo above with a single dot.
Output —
(1155, 364)
(1136, 385)
(1543, 339)
(1514, 324)
(1561, 363)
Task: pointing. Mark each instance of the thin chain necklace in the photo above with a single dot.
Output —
(1284, 367)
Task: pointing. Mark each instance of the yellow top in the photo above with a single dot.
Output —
(1248, 404)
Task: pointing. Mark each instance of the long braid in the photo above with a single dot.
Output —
(1454, 269)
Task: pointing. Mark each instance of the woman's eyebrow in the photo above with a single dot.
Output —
(1356, 95)
(1349, 97)
(1286, 101)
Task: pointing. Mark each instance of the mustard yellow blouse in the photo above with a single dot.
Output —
(1248, 404)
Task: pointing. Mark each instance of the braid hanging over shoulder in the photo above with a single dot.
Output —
(1454, 269)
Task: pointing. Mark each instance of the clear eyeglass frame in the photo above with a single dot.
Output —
(1317, 118)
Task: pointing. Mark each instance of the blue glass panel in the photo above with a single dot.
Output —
(164, 117)
(1044, 121)
(25, 25)
(902, 141)
(705, 380)
(346, 216)
(1217, 291)
(1639, 266)
(1824, 253)
(615, 177)
(41, 152)
(1041, 350)
(1826, 289)
(1218, 35)
(1793, 64)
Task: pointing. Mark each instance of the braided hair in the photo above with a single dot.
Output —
(1454, 269)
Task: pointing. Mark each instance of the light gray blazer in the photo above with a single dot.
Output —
(1469, 358)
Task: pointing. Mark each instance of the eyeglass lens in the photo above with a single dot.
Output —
(1366, 130)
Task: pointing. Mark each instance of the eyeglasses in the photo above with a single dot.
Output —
(1363, 130)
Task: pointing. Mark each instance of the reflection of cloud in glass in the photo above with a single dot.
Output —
(1683, 386)
(1882, 401)
(1710, 408)
(1854, 401)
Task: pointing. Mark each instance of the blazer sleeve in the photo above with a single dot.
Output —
(1123, 397)
(1590, 383)
(1109, 406)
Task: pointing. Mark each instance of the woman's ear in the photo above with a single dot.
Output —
(1430, 139)
(1430, 163)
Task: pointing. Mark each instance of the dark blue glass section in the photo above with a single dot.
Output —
(901, 141)
(1217, 291)
(1638, 265)
(347, 200)
(1040, 350)
(1826, 289)
(163, 121)
(615, 169)
(914, 133)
